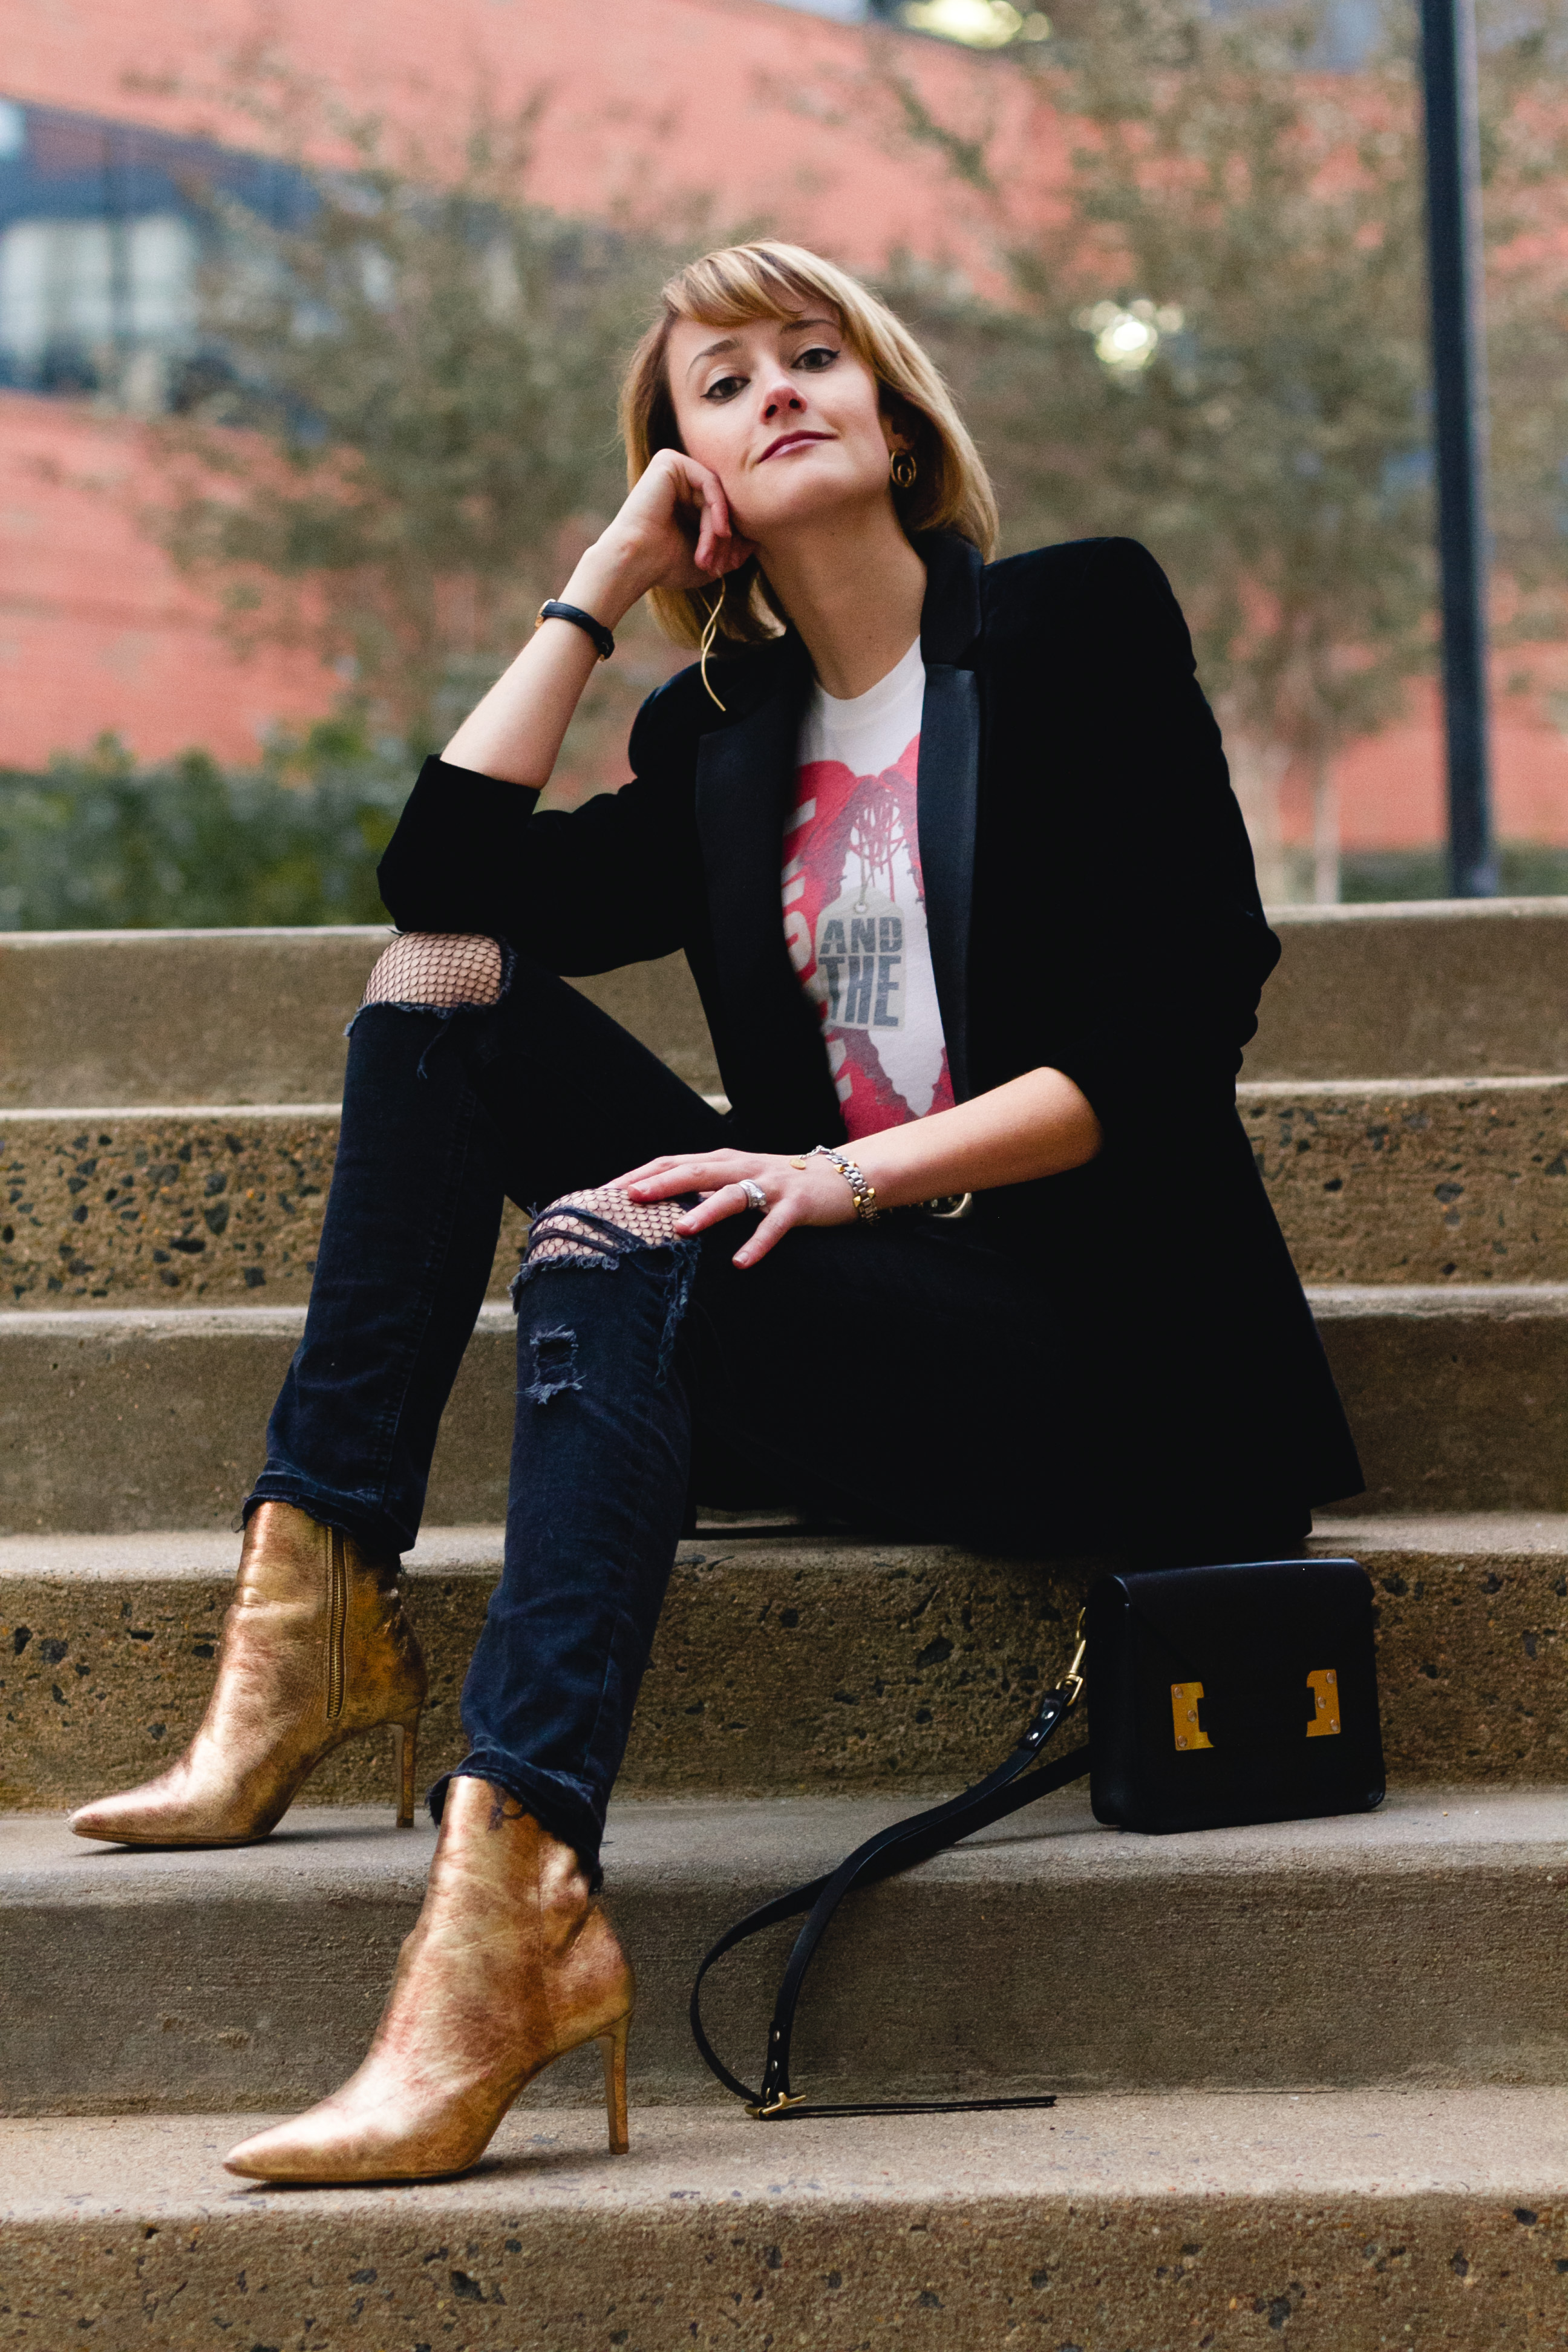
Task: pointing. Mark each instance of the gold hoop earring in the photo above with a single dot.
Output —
(708, 635)
(902, 466)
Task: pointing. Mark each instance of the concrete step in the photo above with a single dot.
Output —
(1463, 989)
(1455, 988)
(1434, 1180)
(1330, 2222)
(782, 1663)
(1424, 1944)
(204, 1202)
(115, 1419)
(244, 1016)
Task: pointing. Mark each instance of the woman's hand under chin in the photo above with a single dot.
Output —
(810, 1192)
(674, 531)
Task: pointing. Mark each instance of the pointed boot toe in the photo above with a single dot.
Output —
(267, 2156)
(120, 1821)
(317, 2146)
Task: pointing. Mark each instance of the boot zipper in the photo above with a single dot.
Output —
(337, 1621)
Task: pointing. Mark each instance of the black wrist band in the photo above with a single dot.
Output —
(556, 611)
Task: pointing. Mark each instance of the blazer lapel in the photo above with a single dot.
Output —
(772, 1055)
(946, 794)
(948, 784)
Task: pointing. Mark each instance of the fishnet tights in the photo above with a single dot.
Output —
(438, 968)
(556, 1232)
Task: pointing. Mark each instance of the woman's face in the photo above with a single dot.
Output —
(786, 416)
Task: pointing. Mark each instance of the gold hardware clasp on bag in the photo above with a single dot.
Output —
(1324, 1686)
(1322, 1682)
(1184, 1697)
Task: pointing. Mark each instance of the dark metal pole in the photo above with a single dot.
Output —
(1459, 383)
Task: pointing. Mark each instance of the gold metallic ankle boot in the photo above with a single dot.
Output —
(511, 1963)
(315, 1649)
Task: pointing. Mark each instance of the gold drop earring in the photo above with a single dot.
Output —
(902, 466)
(708, 635)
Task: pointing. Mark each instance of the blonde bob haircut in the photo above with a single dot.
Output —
(734, 287)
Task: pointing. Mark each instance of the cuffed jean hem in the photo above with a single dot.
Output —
(375, 1533)
(559, 1811)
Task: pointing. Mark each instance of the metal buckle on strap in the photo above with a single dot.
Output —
(777, 2105)
(1074, 1679)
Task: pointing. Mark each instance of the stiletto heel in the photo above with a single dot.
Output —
(612, 2051)
(405, 1750)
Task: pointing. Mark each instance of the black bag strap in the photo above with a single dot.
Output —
(1010, 1787)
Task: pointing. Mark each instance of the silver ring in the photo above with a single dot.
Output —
(754, 1192)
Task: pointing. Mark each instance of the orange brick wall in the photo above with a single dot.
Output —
(734, 109)
(97, 630)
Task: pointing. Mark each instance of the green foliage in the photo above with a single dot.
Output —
(94, 844)
(1259, 221)
(424, 375)
(1526, 869)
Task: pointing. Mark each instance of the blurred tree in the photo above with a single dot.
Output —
(1220, 348)
(422, 375)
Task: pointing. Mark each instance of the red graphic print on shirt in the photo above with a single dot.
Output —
(856, 929)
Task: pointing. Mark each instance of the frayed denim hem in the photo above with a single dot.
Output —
(372, 1534)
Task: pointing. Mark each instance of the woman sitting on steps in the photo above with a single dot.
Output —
(979, 1253)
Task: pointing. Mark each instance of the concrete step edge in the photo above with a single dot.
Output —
(64, 1115)
(184, 1555)
(1490, 1302)
(1353, 2219)
(1252, 2146)
(1284, 1090)
(1265, 1090)
(335, 1854)
(1341, 1302)
(1279, 1957)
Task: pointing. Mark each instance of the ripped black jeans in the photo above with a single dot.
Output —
(910, 1378)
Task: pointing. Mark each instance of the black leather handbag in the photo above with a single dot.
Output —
(1220, 1697)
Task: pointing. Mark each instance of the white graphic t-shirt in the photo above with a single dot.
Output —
(853, 901)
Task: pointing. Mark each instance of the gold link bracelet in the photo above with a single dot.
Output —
(865, 1195)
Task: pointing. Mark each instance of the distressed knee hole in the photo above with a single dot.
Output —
(601, 1223)
(437, 971)
(554, 1365)
(604, 1227)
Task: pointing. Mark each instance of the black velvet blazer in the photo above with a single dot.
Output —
(1091, 907)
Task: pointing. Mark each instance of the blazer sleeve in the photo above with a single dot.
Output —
(1157, 947)
(578, 891)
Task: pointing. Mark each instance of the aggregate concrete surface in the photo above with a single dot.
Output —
(185, 1204)
(781, 1663)
(1425, 1179)
(1338, 2223)
(1424, 1942)
(1431, 1180)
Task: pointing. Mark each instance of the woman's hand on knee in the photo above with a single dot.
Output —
(813, 1193)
